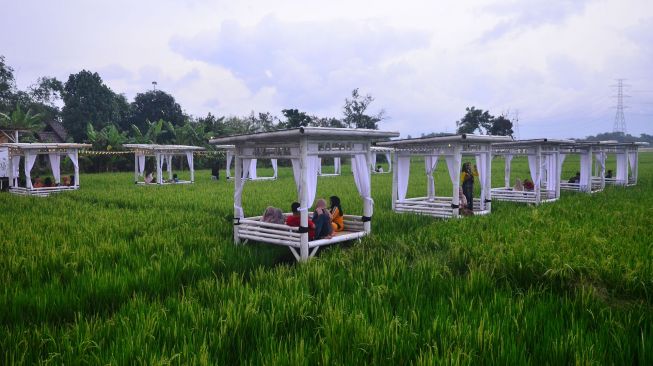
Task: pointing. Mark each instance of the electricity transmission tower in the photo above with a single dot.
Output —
(515, 124)
(619, 118)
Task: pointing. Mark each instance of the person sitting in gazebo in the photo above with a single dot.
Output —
(608, 174)
(337, 215)
(518, 185)
(149, 178)
(528, 185)
(38, 183)
(322, 220)
(575, 178)
(294, 220)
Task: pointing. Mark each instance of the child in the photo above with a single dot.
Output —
(295, 220)
(337, 219)
(322, 220)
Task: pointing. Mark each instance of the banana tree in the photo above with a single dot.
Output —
(20, 121)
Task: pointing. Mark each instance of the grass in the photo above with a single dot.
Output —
(122, 274)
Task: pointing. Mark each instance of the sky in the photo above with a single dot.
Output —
(551, 63)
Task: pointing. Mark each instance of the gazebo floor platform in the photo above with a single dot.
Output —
(164, 183)
(41, 192)
(510, 195)
(439, 207)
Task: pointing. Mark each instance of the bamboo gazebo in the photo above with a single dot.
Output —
(163, 155)
(252, 173)
(303, 147)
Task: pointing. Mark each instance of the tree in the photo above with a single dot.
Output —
(474, 120)
(327, 122)
(354, 111)
(19, 121)
(500, 126)
(153, 106)
(155, 133)
(87, 99)
(295, 119)
(7, 86)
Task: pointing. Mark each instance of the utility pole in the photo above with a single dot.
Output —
(619, 118)
(154, 83)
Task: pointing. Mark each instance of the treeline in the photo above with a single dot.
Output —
(92, 112)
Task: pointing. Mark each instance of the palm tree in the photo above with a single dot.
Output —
(19, 121)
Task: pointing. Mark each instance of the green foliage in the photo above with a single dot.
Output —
(478, 120)
(295, 119)
(130, 274)
(21, 121)
(155, 105)
(86, 98)
(355, 112)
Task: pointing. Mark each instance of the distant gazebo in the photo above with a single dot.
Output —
(252, 173)
(163, 155)
(28, 152)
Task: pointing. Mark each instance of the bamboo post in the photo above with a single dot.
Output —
(10, 165)
(589, 178)
(192, 167)
(367, 204)
(159, 173)
(395, 179)
(238, 199)
(538, 174)
(303, 199)
(636, 165)
(558, 173)
(488, 180)
(77, 169)
(506, 170)
(455, 201)
(602, 170)
(136, 168)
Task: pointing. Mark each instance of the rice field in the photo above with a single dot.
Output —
(122, 274)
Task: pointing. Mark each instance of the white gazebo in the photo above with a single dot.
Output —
(626, 155)
(336, 168)
(163, 155)
(543, 163)
(29, 152)
(303, 147)
(252, 173)
(586, 151)
(377, 150)
(452, 148)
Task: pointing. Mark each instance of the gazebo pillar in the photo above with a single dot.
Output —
(537, 185)
(367, 204)
(455, 202)
(159, 173)
(395, 181)
(238, 197)
(488, 180)
(136, 168)
(303, 200)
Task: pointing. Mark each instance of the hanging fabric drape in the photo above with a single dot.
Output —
(361, 171)
(632, 161)
(240, 183)
(29, 163)
(600, 159)
(388, 157)
(230, 156)
(534, 170)
(169, 165)
(252, 169)
(15, 162)
(481, 168)
(336, 165)
(451, 167)
(373, 160)
(319, 166)
(72, 155)
(403, 172)
(431, 162)
(622, 168)
(191, 165)
(552, 173)
(141, 164)
(544, 171)
(506, 170)
(274, 166)
(585, 171)
(55, 164)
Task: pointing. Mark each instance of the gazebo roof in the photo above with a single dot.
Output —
(532, 142)
(313, 133)
(442, 140)
(379, 149)
(153, 148)
(44, 146)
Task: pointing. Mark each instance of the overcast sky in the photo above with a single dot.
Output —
(553, 61)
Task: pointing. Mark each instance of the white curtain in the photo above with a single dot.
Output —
(403, 172)
(373, 160)
(189, 159)
(274, 166)
(29, 163)
(585, 171)
(361, 171)
(230, 156)
(252, 169)
(451, 167)
(534, 170)
(481, 168)
(72, 155)
(561, 160)
(388, 157)
(600, 158)
(169, 165)
(552, 173)
(141, 164)
(544, 169)
(622, 168)
(336, 165)
(506, 170)
(55, 164)
(431, 162)
(246, 163)
(15, 162)
(632, 160)
(319, 166)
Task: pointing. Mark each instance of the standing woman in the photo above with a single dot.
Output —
(467, 180)
(337, 218)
